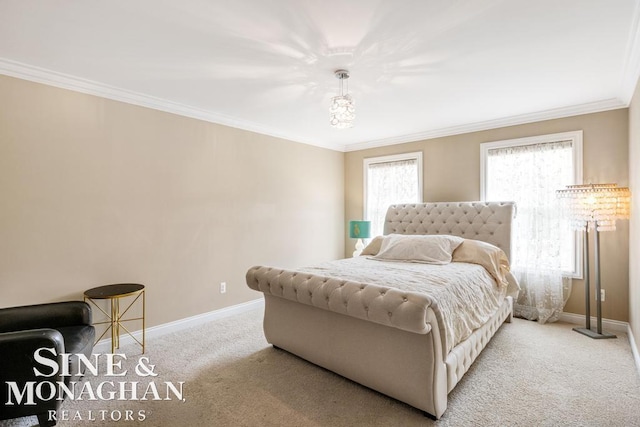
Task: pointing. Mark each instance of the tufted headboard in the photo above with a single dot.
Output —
(486, 221)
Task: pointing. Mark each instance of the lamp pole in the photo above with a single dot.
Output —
(587, 291)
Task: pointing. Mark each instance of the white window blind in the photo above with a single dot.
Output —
(390, 180)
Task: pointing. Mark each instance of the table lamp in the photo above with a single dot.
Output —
(359, 230)
(595, 207)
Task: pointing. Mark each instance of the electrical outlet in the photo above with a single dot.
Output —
(223, 287)
(601, 294)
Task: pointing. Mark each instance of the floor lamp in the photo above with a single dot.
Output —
(595, 207)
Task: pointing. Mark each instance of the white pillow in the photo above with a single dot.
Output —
(431, 249)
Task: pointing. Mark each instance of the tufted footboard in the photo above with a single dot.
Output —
(379, 304)
(401, 364)
(407, 366)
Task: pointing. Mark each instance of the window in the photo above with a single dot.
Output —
(529, 171)
(390, 180)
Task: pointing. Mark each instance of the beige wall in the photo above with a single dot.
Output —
(94, 191)
(452, 171)
(634, 235)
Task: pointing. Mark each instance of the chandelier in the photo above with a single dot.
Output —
(342, 111)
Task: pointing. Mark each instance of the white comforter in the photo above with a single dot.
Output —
(463, 296)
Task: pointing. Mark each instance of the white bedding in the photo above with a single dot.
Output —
(463, 296)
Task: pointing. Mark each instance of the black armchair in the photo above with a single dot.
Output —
(64, 326)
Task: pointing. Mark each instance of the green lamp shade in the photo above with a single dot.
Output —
(359, 229)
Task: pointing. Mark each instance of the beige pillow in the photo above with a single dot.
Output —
(373, 247)
(428, 249)
(492, 258)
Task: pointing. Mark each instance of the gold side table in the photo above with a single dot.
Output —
(116, 319)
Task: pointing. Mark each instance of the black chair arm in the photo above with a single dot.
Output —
(17, 365)
(51, 315)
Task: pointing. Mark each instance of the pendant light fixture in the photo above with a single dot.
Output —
(342, 111)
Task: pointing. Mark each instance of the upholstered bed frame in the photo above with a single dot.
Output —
(373, 338)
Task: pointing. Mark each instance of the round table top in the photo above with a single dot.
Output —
(117, 290)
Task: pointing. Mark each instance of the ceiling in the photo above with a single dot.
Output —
(419, 68)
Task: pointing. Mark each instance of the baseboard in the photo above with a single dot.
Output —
(634, 348)
(610, 326)
(607, 324)
(104, 346)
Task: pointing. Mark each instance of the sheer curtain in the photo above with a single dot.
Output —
(542, 241)
(390, 183)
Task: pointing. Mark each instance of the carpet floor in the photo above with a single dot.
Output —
(528, 375)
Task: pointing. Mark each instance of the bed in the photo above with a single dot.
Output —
(390, 336)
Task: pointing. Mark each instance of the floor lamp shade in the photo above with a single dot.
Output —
(595, 207)
(359, 230)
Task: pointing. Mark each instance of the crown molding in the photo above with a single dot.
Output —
(631, 69)
(90, 87)
(555, 113)
(65, 81)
